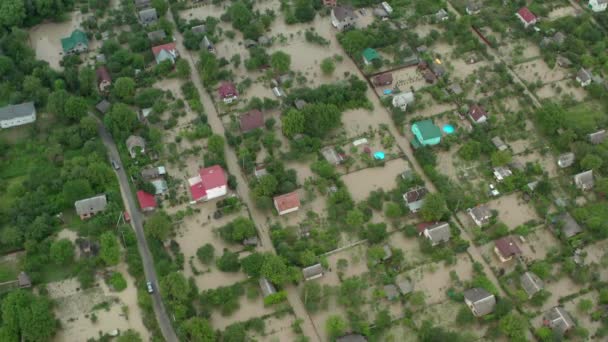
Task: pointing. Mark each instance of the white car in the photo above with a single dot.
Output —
(493, 191)
(150, 287)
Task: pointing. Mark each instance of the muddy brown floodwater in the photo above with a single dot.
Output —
(362, 182)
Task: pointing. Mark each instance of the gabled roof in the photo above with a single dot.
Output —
(164, 52)
(148, 14)
(584, 75)
(227, 89)
(342, 12)
(559, 319)
(481, 212)
(267, 287)
(313, 271)
(598, 137)
(526, 15)
(507, 247)
(17, 111)
(103, 106)
(251, 120)
(404, 284)
(439, 232)
(499, 144)
(415, 195)
(331, 155)
(531, 283)
(213, 177)
(145, 200)
(24, 280)
(157, 35)
(428, 129)
(91, 204)
(370, 54)
(198, 29)
(584, 180)
(476, 112)
(135, 141)
(565, 159)
(287, 201)
(402, 99)
(77, 37)
(386, 78)
(103, 74)
(569, 226)
(482, 300)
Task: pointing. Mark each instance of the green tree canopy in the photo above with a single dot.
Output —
(124, 88)
(197, 329)
(293, 123)
(158, 225)
(109, 249)
(433, 207)
(121, 120)
(280, 62)
(27, 317)
(62, 251)
(335, 326)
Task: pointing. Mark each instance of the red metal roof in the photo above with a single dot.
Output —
(146, 200)
(227, 89)
(103, 74)
(198, 191)
(421, 227)
(287, 201)
(476, 112)
(383, 79)
(169, 47)
(213, 177)
(526, 15)
(251, 120)
(507, 247)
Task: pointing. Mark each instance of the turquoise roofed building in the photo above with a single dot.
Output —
(77, 42)
(369, 55)
(426, 133)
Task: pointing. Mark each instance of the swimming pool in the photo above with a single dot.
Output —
(448, 129)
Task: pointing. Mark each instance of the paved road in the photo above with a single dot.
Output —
(137, 223)
(260, 218)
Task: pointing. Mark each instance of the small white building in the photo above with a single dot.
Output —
(598, 5)
(402, 100)
(17, 115)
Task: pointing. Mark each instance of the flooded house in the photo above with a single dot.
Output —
(526, 17)
(266, 287)
(480, 301)
(209, 183)
(531, 283)
(89, 207)
(477, 114)
(584, 77)
(147, 202)
(343, 17)
(287, 203)
(76, 43)
(559, 320)
(436, 233)
(426, 133)
(227, 92)
(414, 198)
(165, 52)
(251, 120)
(481, 215)
(584, 180)
(17, 115)
(312, 272)
(104, 81)
(565, 160)
(147, 16)
(506, 248)
(135, 144)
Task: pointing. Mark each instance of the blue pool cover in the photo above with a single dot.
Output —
(379, 155)
(448, 129)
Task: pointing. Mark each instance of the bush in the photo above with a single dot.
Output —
(206, 253)
(117, 281)
(275, 298)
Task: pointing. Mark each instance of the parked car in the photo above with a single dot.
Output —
(150, 287)
(115, 164)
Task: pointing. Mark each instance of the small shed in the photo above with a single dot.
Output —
(23, 280)
(391, 291)
(499, 144)
(312, 272)
(103, 106)
(266, 287)
(133, 142)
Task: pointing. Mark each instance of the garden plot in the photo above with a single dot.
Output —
(537, 70)
(560, 12)
(512, 210)
(449, 164)
(357, 265)
(362, 182)
(413, 257)
(443, 49)
(559, 288)
(547, 162)
(404, 79)
(278, 328)
(562, 88)
(74, 307)
(202, 12)
(45, 38)
(584, 319)
(357, 122)
(433, 108)
(444, 315)
(434, 279)
(424, 30)
(462, 69)
(316, 205)
(520, 51)
(249, 308)
(538, 244)
(196, 231)
(362, 156)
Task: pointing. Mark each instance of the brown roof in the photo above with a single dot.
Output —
(507, 247)
(383, 79)
(476, 112)
(415, 195)
(287, 201)
(103, 74)
(251, 120)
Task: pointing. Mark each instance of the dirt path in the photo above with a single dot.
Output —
(243, 190)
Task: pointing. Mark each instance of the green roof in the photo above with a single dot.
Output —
(370, 54)
(428, 129)
(77, 37)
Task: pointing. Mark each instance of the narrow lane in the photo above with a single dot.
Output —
(137, 223)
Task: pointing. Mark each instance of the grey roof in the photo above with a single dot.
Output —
(531, 283)
(499, 144)
(252, 241)
(313, 271)
(569, 226)
(441, 14)
(263, 40)
(455, 88)
(405, 285)
(103, 106)
(150, 173)
(17, 111)
(559, 38)
(330, 154)
(148, 15)
(563, 61)
(584, 180)
(24, 280)
(598, 137)
(388, 253)
(299, 104)
(565, 160)
(199, 29)
(352, 338)
(583, 75)
(101, 58)
(157, 35)
(267, 287)
(91, 205)
(142, 3)
(482, 301)
(391, 291)
(481, 212)
(559, 319)
(439, 232)
(342, 12)
(473, 6)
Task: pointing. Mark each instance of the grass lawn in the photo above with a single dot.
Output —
(8, 271)
(587, 116)
(52, 273)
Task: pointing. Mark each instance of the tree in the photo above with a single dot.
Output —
(392, 210)
(464, 316)
(175, 287)
(433, 208)
(206, 253)
(328, 66)
(280, 62)
(12, 12)
(117, 281)
(275, 269)
(320, 119)
(584, 305)
(109, 250)
(160, 6)
(312, 296)
(591, 162)
(208, 67)
(124, 88)
(542, 269)
(514, 326)
(129, 336)
(355, 219)
(62, 251)
(293, 123)
(335, 326)
(304, 11)
(376, 232)
(383, 319)
(500, 158)
(74, 190)
(183, 69)
(197, 329)
(121, 120)
(86, 81)
(266, 186)
(75, 108)
(470, 150)
(158, 225)
(27, 317)
(228, 262)
(56, 102)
